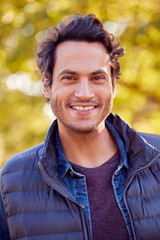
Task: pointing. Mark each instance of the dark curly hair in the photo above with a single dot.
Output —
(78, 28)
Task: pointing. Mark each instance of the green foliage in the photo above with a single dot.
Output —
(23, 122)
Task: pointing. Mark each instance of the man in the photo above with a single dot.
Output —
(94, 177)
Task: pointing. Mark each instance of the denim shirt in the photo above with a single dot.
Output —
(76, 182)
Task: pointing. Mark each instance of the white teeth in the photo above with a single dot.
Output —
(80, 108)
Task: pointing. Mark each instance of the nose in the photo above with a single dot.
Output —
(84, 90)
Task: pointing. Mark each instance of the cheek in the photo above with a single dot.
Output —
(63, 93)
(105, 92)
(59, 97)
(56, 93)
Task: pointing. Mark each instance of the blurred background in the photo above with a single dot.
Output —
(24, 114)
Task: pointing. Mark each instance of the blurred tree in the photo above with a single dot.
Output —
(24, 114)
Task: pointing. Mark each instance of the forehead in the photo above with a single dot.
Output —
(77, 55)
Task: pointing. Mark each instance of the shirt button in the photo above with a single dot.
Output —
(71, 173)
(81, 204)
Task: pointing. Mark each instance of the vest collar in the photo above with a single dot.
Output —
(139, 152)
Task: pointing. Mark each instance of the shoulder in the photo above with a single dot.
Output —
(25, 160)
(18, 170)
(153, 139)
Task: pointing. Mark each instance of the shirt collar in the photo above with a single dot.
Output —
(120, 144)
(65, 166)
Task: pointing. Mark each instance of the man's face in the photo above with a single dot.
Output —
(81, 94)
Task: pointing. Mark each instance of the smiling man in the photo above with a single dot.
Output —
(94, 177)
(81, 93)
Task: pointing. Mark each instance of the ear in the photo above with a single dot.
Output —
(46, 88)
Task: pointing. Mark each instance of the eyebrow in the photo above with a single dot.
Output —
(99, 71)
(67, 71)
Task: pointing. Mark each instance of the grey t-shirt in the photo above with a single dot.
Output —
(106, 217)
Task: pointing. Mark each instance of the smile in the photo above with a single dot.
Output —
(80, 108)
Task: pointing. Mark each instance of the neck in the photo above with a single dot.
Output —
(87, 149)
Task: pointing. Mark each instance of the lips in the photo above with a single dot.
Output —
(83, 108)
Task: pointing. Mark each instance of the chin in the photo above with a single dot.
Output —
(83, 129)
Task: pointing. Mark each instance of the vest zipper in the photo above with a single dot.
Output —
(85, 222)
(130, 180)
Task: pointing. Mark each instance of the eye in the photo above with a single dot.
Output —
(98, 77)
(68, 77)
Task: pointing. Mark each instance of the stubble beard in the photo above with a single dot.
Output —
(70, 126)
